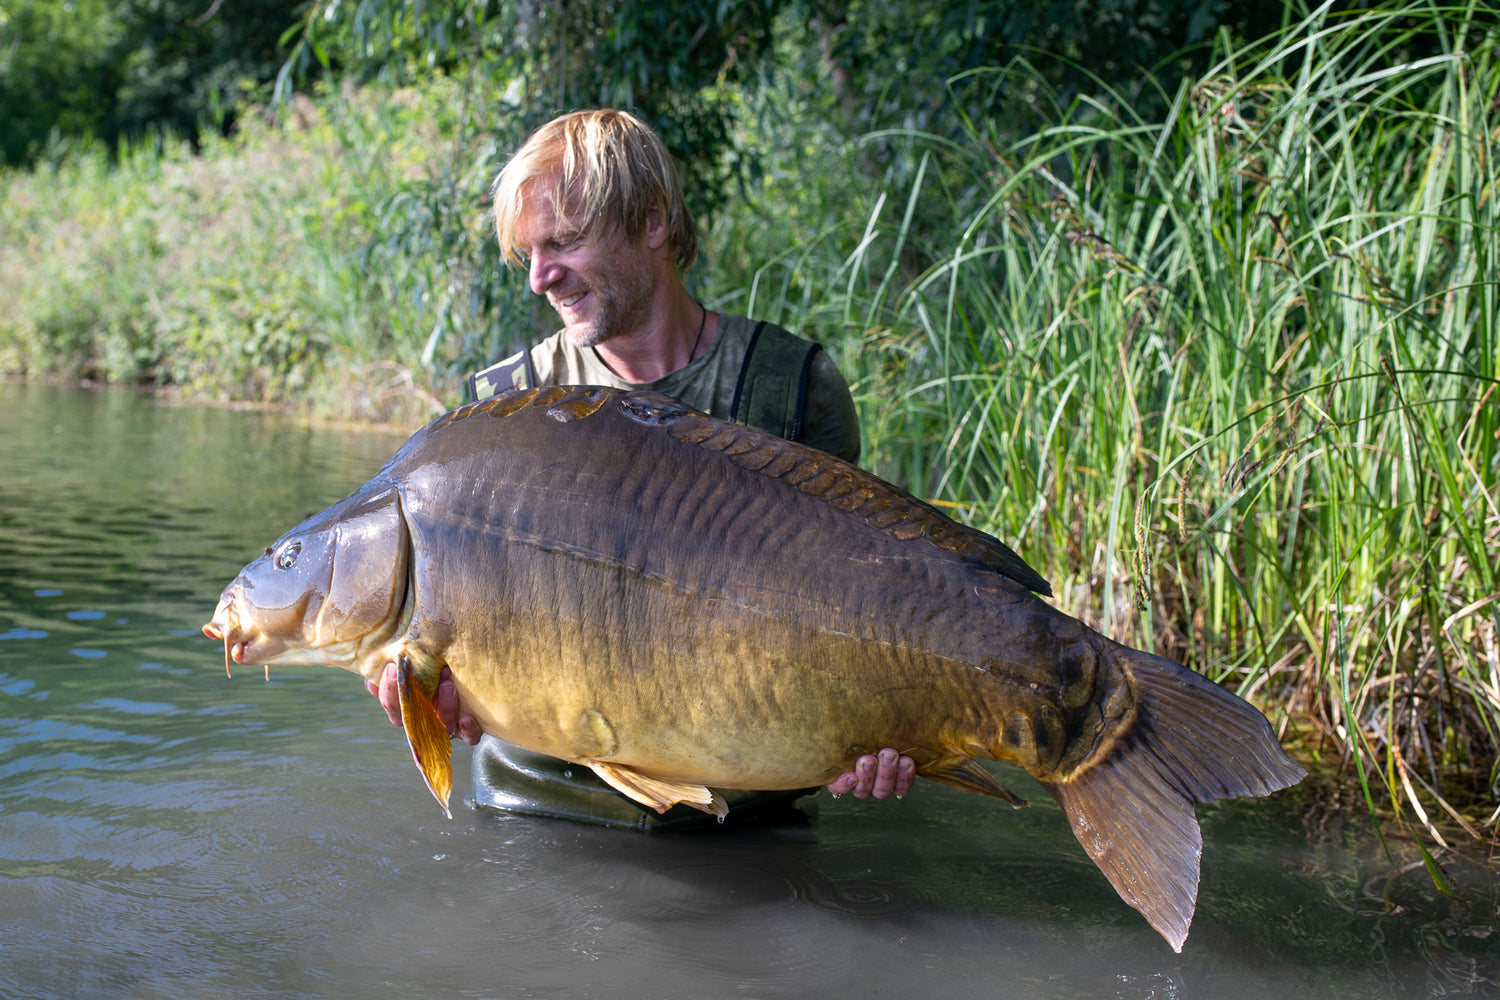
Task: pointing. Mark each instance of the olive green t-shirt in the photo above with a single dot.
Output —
(708, 384)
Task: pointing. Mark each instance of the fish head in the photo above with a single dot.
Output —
(329, 592)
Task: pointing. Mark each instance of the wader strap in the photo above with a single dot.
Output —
(771, 392)
(801, 411)
(515, 372)
(739, 385)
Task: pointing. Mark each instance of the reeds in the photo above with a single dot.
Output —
(1231, 379)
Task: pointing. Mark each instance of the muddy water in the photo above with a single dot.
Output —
(166, 831)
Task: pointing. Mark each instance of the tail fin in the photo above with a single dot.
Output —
(1191, 741)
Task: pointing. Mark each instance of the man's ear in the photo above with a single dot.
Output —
(656, 226)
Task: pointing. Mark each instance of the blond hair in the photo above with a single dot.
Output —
(602, 170)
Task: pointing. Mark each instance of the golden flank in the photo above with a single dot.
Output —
(683, 605)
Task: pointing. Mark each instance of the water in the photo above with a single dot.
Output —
(166, 831)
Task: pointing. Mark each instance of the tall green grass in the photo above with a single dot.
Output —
(1231, 379)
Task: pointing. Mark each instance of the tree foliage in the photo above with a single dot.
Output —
(118, 70)
(892, 59)
(530, 61)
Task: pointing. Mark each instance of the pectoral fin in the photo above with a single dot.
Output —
(430, 746)
(967, 773)
(658, 793)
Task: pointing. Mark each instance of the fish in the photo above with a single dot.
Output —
(686, 605)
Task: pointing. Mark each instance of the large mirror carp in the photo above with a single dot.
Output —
(683, 604)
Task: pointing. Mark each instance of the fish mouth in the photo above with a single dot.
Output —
(225, 627)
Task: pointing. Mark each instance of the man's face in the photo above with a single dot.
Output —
(600, 287)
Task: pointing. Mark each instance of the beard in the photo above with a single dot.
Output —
(621, 294)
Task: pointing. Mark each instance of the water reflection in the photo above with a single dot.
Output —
(166, 831)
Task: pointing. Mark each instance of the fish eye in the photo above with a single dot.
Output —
(288, 555)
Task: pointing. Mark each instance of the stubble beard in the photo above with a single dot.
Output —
(621, 305)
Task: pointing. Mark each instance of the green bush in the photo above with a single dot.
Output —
(286, 264)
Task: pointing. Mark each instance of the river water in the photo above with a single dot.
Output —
(168, 832)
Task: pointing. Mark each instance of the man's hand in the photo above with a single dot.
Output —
(446, 702)
(877, 776)
(874, 776)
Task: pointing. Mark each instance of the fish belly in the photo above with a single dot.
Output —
(712, 691)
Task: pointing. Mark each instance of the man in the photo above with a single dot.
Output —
(592, 206)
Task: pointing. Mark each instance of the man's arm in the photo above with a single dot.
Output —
(875, 776)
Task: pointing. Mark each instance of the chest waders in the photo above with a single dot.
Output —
(770, 393)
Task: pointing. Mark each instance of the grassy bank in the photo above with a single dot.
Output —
(1229, 377)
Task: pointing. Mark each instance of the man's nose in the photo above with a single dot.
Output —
(544, 272)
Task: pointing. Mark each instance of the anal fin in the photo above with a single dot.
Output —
(963, 771)
(658, 793)
(430, 746)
